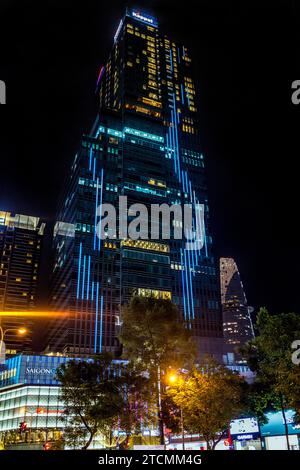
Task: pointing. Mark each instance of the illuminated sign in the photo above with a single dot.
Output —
(143, 17)
(246, 437)
(275, 424)
(44, 370)
(244, 429)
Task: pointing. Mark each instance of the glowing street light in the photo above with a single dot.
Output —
(173, 379)
(21, 331)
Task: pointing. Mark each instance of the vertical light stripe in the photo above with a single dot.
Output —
(79, 269)
(88, 279)
(101, 324)
(83, 277)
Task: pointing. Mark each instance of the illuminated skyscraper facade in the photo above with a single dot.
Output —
(144, 145)
(237, 324)
(20, 249)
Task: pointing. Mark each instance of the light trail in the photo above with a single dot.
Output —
(34, 314)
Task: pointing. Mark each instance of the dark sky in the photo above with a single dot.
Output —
(246, 55)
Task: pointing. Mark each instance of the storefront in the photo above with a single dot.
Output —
(245, 434)
(192, 442)
(31, 411)
(30, 408)
(273, 431)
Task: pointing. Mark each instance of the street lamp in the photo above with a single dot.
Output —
(173, 379)
(22, 331)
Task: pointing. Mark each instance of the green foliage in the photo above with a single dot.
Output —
(210, 396)
(270, 355)
(92, 397)
(155, 338)
(171, 414)
(153, 333)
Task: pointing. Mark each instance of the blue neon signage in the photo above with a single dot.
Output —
(144, 18)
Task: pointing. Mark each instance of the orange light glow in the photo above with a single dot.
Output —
(34, 314)
(172, 378)
(22, 331)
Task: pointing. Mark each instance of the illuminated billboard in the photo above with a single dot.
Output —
(244, 429)
(143, 17)
(275, 424)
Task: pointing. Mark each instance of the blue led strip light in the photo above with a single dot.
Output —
(83, 277)
(171, 60)
(79, 269)
(96, 317)
(183, 182)
(88, 279)
(91, 156)
(101, 323)
(205, 241)
(92, 291)
(100, 208)
(198, 225)
(182, 280)
(186, 283)
(176, 136)
(168, 147)
(96, 206)
(192, 251)
(186, 182)
(182, 93)
(171, 139)
(191, 284)
(94, 169)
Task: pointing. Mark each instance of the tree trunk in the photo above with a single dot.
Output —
(208, 445)
(285, 422)
(160, 419)
(87, 444)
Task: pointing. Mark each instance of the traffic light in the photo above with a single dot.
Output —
(46, 446)
(23, 426)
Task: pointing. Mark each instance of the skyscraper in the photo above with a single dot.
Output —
(145, 145)
(20, 248)
(237, 324)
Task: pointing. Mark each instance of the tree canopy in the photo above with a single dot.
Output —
(210, 396)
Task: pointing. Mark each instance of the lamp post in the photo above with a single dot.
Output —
(173, 378)
(21, 331)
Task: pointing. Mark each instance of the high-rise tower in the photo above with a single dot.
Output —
(237, 324)
(144, 145)
(20, 250)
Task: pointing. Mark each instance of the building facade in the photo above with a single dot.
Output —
(32, 410)
(144, 146)
(237, 323)
(20, 250)
(31, 407)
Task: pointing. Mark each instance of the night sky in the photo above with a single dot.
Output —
(246, 55)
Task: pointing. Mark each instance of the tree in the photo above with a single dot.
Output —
(154, 336)
(270, 356)
(92, 395)
(209, 397)
(138, 409)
